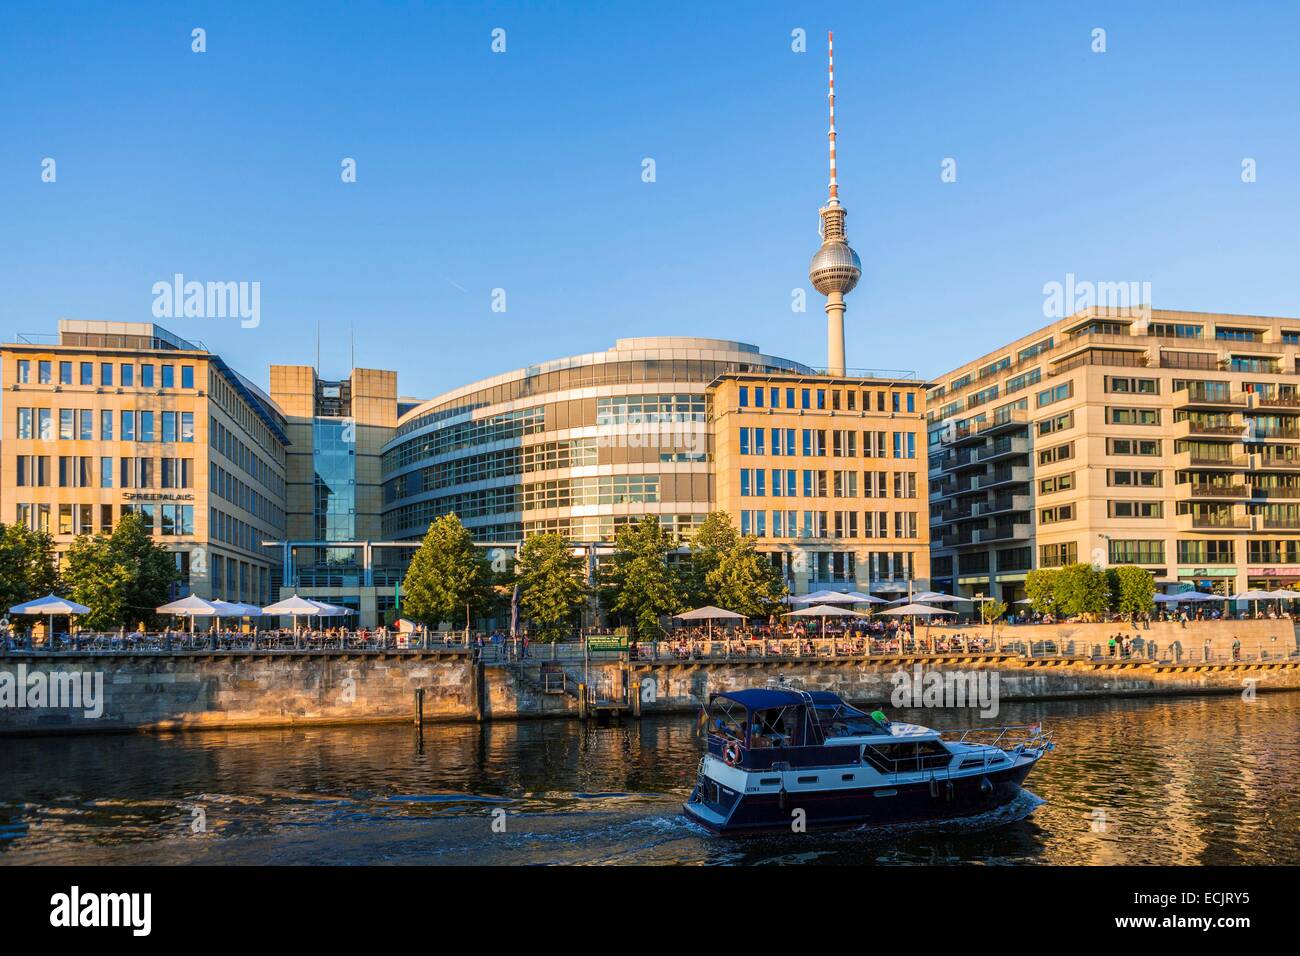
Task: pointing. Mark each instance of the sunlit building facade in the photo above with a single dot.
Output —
(1162, 439)
(110, 418)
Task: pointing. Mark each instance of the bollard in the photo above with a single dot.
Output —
(636, 698)
(419, 707)
(582, 701)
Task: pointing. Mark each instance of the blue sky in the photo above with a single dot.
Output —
(522, 171)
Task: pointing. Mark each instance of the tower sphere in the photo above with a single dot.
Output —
(835, 268)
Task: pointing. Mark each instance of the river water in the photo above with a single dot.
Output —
(1205, 780)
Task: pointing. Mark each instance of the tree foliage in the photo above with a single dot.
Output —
(1131, 589)
(1081, 589)
(991, 611)
(28, 568)
(744, 581)
(715, 537)
(448, 577)
(552, 584)
(638, 583)
(121, 576)
(1040, 587)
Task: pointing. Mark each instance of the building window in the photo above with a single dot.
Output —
(1137, 552)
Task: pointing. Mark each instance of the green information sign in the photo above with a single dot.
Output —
(607, 642)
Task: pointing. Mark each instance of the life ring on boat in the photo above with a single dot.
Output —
(731, 753)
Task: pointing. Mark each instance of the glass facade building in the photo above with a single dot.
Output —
(578, 446)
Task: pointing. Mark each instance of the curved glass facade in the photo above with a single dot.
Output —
(578, 446)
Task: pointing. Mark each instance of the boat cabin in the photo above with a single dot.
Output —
(766, 727)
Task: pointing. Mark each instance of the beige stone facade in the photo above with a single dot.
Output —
(829, 474)
(118, 417)
(1169, 440)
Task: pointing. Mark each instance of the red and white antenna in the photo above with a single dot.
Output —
(830, 56)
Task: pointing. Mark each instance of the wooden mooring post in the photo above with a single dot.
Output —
(419, 707)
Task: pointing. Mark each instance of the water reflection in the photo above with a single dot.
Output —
(1187, 781)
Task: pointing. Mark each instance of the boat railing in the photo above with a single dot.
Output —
(1015, 738)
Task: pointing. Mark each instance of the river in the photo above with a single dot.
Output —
(1198, 780)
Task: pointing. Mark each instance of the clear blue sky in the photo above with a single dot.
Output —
(522, 171)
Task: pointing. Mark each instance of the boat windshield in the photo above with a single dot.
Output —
(841, 720)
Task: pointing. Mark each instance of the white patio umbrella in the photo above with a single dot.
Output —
(1258, 594)
(294, 607)
(937, 597)
(837, 597)
(191, 606)
(918, 610)
(49, 606)
(709, 613)
(824, 611)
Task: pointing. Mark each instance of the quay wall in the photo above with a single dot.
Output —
(1170, 640)
(163, 692)
(244, 689)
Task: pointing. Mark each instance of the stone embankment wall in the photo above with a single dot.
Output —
(1172, 641)
(181, 691)
(188, 691)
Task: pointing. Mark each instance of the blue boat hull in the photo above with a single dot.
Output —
(870, 806)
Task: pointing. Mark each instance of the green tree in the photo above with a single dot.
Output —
(28, 568)
(1081, 589)
(1040, 587)
(744, 581)
(1131, 589)
(449, 579)
(552, 584)
(637, 582)
(992, 611)
(715, 537)
(121, 576)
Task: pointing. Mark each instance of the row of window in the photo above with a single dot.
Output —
(820, 442)
(1204, 552)
(80, 471)
(791, 483)
(835, 399)
(829, 524)
(78, 424)
(167, 520)
(83, 373)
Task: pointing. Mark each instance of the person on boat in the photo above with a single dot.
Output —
(879, 717)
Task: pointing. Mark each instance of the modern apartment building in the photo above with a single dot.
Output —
(1167, 440)
(110, 418)
(828, 472)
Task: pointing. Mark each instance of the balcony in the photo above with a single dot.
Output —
(1232, 430)
(1214, 398)
(1284, 436)
(1000, 505)
(1210, 490)
(1266, 462)
(1018, 474)
(1282, 402)
(1006, 532)
(1185, 460)
(1258, 492)
(1283, 524)
(1200, 361)
(1005, 447)
(1217, 523)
